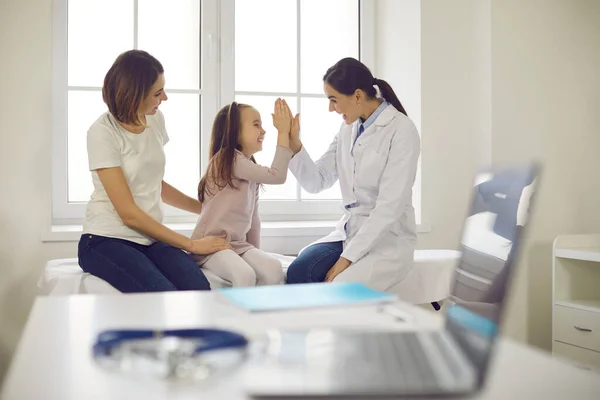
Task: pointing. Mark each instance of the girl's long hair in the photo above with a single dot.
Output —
(224, 142)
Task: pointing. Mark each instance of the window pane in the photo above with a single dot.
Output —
(182, 118)
(264, 105)
(99, 30)
(265, 45)
(170, 31)
(84, 108)
(318, 128)
(326, 39)
(182, 152)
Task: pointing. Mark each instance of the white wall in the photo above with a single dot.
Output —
(545, 102)
(454, 98)
(398, 51)
(455, 116)
(398, 61)
(25, 113)
(504, 81)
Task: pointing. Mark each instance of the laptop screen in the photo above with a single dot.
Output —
(489, 244)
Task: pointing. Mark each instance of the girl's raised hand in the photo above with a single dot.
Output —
(281, 118)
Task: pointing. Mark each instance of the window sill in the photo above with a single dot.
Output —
(71, 233)
(270, 229)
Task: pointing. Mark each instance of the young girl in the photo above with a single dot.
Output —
(229, 193)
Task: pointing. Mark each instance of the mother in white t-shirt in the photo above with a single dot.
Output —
(124, 241)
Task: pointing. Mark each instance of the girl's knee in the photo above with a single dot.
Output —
(274, 273)
(243, 277)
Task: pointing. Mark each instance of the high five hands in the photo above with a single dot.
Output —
(295, 143)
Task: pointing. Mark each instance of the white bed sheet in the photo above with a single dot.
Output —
(429, 280)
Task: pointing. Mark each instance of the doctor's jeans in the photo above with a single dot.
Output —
(314, 262)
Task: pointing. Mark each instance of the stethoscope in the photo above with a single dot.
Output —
(178, 353)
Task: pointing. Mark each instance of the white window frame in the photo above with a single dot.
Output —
(63, 212)
(292, 209)
(217, 41)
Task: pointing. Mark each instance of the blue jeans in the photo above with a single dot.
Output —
(131, 267)
(314, 262)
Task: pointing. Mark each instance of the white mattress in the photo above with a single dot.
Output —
(428, 281)
(64, 276)
(431, 277)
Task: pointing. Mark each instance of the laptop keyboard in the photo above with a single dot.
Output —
(454, 367)
(386, 361)
(408, 347)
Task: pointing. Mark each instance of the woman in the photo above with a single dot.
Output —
(124, 241)
(374, 156)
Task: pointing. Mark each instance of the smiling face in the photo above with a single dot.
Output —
(157, 94)
(347, 106)
(252, 133)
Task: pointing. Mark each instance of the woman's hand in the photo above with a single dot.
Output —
(281, 118)
(208, 245)
(295, 143)
(339, 267)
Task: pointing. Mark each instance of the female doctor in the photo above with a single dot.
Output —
(374, 156)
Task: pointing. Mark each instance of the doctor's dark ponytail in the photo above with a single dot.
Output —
(349, 74)
(388, 93)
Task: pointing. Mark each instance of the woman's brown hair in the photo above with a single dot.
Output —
(224, 142)
(128, 82)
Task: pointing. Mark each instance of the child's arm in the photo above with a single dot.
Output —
(314, 177)
(253, 235)
(276, 174)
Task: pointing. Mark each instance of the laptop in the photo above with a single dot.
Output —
(451, 361)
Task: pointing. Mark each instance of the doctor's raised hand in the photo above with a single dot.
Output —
(295, 143)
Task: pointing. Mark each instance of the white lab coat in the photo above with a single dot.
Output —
(377, 174)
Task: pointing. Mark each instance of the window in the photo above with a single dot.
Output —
(291, 65)
(213, 52)
(173, 33)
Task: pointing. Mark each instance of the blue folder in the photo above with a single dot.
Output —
(310, 295)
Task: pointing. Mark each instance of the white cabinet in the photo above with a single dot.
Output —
(576, 300)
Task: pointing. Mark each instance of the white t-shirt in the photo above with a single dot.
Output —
(142, 159)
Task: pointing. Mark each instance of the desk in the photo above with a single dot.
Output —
(53, 358)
